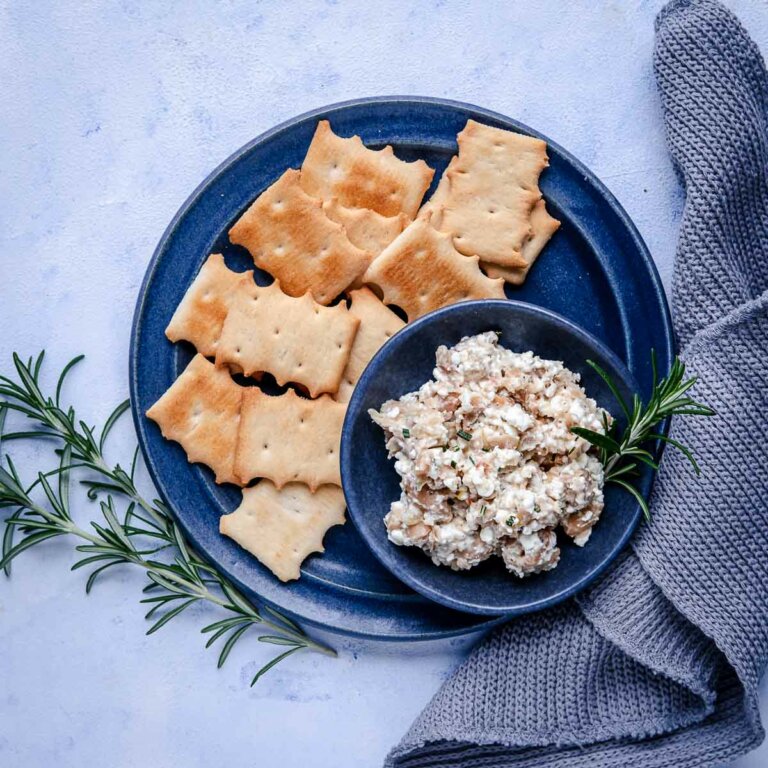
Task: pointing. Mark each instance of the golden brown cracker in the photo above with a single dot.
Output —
(294, 339)
(543, 226)
(492, 189)
(422, 271)
(201, 411)
(433, 208)
(281, 527)
(289, 439)
(288, 235)
(201, 313)
(368, 230)
(377, 324)
(344, 169)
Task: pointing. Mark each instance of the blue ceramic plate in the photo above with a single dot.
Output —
(371, 484)
(596, 271)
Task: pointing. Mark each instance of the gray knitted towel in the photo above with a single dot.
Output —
(658, 664)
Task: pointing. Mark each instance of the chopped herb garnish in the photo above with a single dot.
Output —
(464, 435)
(455, 448)
(471, 459)
(482, 511)
(511, 521)
(487, 450)
(536, 509)
(453, 464)
(406, 432)
(498, 334)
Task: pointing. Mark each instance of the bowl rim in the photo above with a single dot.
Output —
(353, 412)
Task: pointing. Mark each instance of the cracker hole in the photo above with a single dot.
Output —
(277, 331)
(266, 446)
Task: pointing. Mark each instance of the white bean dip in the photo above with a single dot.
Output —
(487, 461)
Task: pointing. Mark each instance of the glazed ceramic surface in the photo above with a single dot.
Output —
(596, 271)
(371, 484)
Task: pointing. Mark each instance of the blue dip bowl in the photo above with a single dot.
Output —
(371, 484)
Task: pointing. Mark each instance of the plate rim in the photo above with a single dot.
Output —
(327, 111)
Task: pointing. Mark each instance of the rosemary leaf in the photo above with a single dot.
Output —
(171, 614)
(230, 643)
(111, 421)
(24, 544)
(276, 640)
(225, 623)
(271, 664)
(636, 493)
(95, 574)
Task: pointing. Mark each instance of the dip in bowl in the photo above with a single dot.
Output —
(479, 582)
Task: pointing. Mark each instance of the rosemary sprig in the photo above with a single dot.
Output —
(143, 534)
(622, 453)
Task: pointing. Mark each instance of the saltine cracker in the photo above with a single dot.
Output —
(344, 169)
(377, 324)
(288, 438)
(422, 271)
(201, 313)
(289, 235)
(543, 226)
(201, 411)
(294, 339)
(281, 527)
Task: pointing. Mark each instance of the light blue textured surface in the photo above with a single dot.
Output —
(109, 116)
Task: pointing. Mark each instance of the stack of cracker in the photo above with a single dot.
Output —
(488, 200)
(289, 442)
(348, 219)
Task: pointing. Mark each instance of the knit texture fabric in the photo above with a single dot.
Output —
(658, 664)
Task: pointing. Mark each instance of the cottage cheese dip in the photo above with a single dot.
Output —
(487, 461)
